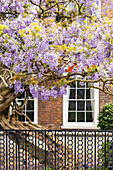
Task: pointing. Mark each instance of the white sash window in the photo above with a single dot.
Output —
(30, 109)
(80, 106)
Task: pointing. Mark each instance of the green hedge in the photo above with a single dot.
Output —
(106, 117)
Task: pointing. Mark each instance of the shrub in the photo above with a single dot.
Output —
(106, 117)
(106, 123)
(108, 156)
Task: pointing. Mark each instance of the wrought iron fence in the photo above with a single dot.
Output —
(55, 150)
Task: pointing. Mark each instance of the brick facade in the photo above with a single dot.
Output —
(50, 113)
(104, 99)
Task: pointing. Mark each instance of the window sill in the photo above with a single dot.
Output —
(94, 127)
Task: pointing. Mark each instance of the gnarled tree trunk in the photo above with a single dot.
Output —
(10, 121)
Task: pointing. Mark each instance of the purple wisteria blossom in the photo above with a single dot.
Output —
(43, 55)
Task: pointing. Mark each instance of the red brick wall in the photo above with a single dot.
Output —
(104, 99)
(50, 113)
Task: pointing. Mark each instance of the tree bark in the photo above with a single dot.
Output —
(6, 97)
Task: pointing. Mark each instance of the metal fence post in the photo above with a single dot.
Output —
(6, 153)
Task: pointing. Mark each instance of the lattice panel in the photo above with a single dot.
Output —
(90, 149)
(41, 152)
(109, 150)
(70, 150)
(80, 150)
(21, 152)
(100, 144)
(11, 149)
(30, 151)
(56, 150)
(2, 150)
(60, 153)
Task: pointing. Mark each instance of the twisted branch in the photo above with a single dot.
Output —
(5, 83)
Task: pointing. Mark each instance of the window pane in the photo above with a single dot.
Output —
(71, 116)
(30, 96)
(80, 116)
(72, 94)
(21, 96)
(20, 103)
(30, 115)
(79, 84)
(72, 105)
(86, 85)
(21, 118)
(89, 93)
(81, 105)
(73, 85)
(30, 105)
(89, 117)
(80, 93)
(89, 105)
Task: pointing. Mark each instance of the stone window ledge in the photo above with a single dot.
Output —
(93, 127)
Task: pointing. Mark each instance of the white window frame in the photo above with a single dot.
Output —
(35, 109)
(81, 125)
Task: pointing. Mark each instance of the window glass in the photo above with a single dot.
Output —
(80, 103)
(80, 116)
(73, 85)
(79, 85)
(72, 105)
(72, 94)
(89, 93)
(89, 105)
(71, 116)
(28, 108)
(30, 114)
(21, 118)
(89, 116)
(80, 93)
(30, 105)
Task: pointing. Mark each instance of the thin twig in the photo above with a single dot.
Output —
(4, 81)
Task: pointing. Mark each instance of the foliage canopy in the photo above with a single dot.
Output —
(36, 49)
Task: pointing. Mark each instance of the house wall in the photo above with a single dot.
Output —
(104, 99)
(50, 113)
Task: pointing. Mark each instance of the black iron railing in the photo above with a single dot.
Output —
(55, 150)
